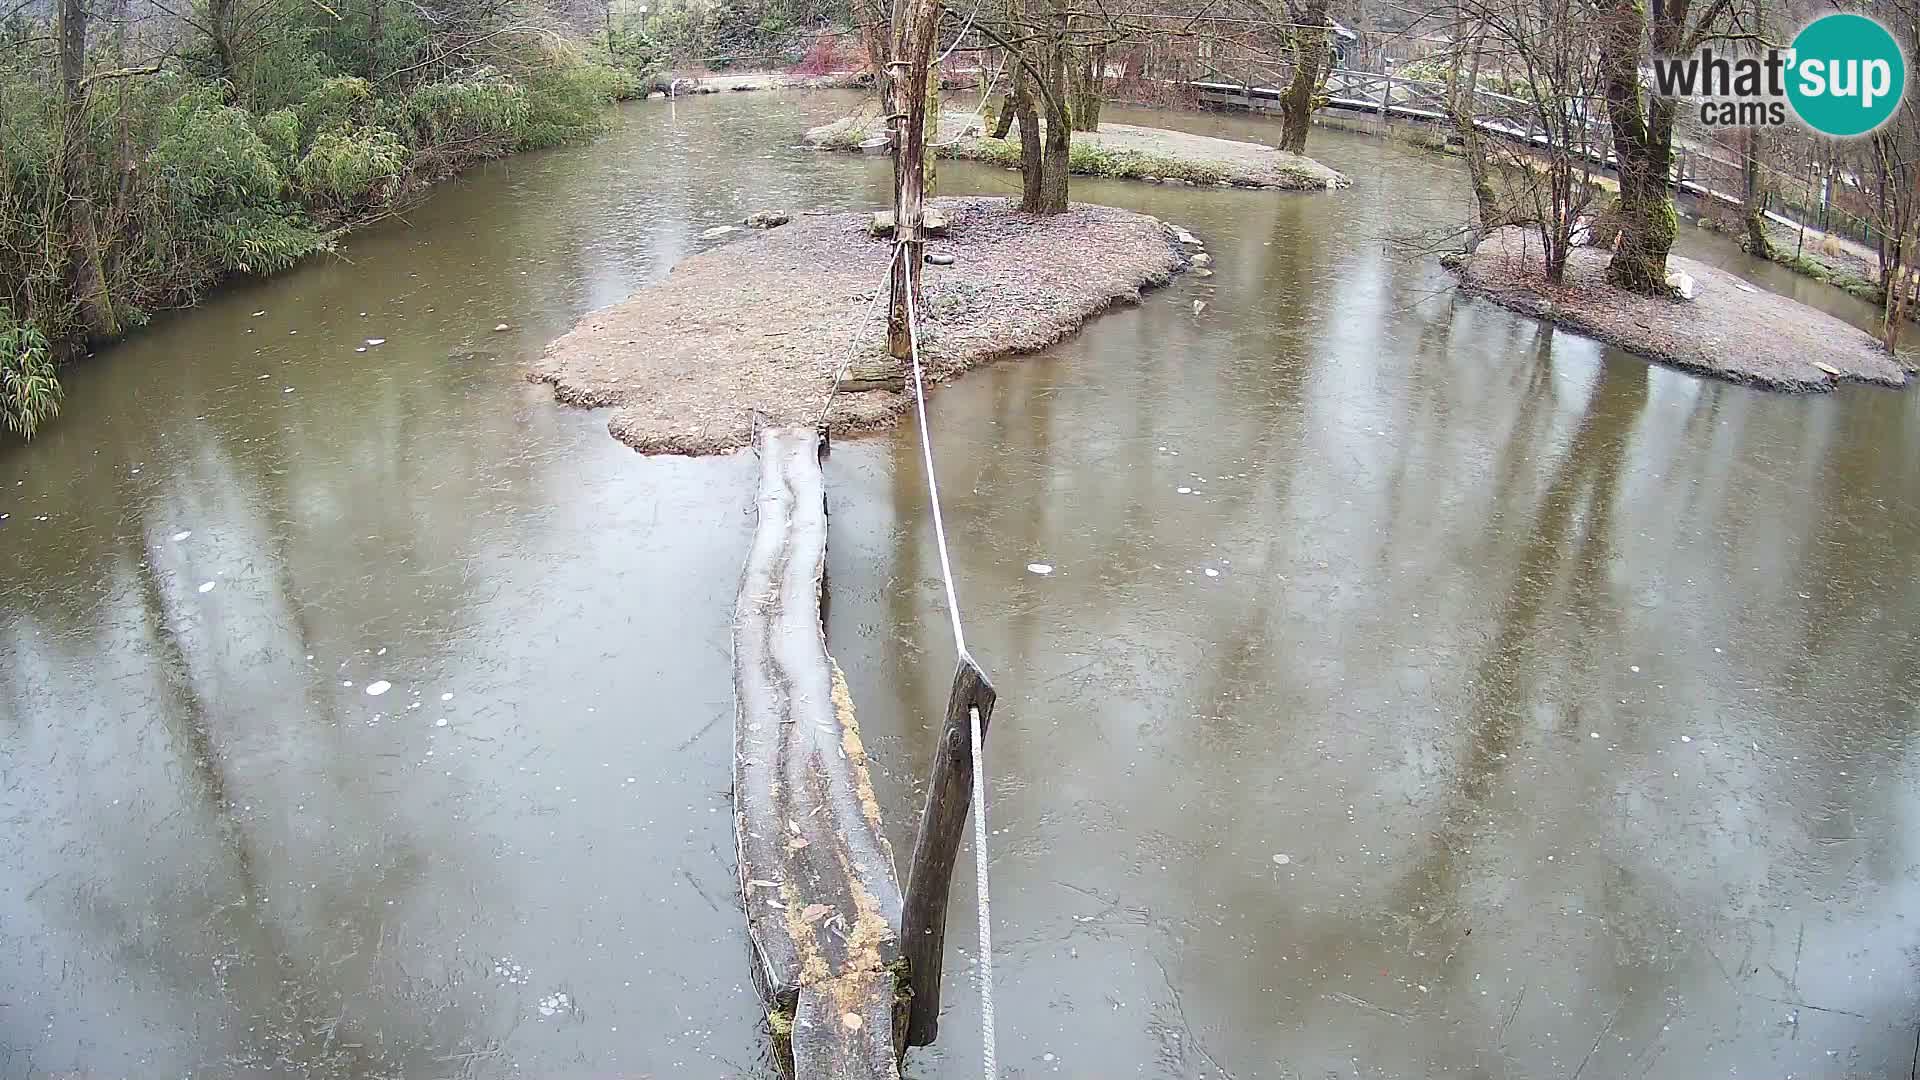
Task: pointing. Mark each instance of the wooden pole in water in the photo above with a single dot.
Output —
(912, 57)
(923, 918)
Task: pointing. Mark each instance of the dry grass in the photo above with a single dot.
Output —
(757, 327)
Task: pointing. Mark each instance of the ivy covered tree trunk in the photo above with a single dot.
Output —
(1310, 58)
(1059, 125)
(1643, 144)
(1032, 154)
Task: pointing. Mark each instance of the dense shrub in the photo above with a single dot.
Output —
(462, 120)
(248, 163)
(350, 169)
(29, 393)
(341, 101)
(565, 102)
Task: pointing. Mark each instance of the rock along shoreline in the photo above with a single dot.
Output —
(754, 330)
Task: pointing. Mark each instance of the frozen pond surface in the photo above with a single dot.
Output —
(1390, 687)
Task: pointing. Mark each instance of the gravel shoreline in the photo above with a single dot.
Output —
(1730, 330)
(1116, 151)
(754, 329)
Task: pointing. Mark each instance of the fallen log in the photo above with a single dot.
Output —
(816, 873)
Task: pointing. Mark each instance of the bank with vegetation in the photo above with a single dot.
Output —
(147, 151)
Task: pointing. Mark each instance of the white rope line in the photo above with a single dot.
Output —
(980, 885)
(961, 36)
(926, 452)
(982, 900)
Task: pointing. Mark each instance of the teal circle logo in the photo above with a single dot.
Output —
(1848, 75)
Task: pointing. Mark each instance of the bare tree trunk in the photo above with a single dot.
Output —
(1032, 159)
(1643, 144)
(117, 16)
(220, 30)
(913, 55)
(874, 39)
(1754, 197)
(377, 29)
(1895, 312)
(1460, 103)
(931, 110)
(73, 206)
(1089, 80)
(1309, 63)
(1006, 110)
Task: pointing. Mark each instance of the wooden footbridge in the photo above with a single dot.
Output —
(849, 967)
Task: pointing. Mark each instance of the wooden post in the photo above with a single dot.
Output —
(1386, 96)
(923, 919)
(913, 56)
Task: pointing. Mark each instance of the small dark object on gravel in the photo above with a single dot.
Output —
(1756, 338)
(940, 258)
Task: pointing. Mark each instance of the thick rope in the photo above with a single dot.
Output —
(983, 902)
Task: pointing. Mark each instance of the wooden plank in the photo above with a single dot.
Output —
(816, 873)
(846, 1027)
(942, 824)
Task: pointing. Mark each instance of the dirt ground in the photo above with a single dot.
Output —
(1730, 330)
(755, 329)
(1121, 151)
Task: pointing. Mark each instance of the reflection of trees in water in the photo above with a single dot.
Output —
(320, 1015)
(225, 912)
(1564, 554)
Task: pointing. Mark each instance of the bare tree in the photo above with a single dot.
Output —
(1546, 50)
(1895, 154)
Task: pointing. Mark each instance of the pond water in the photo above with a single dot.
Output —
(1417, 691)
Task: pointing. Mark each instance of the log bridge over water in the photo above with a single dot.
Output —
(848, 966)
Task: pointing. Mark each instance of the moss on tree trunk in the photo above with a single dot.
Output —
(1089, 77)
(1643, 144)
(1310, 59)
